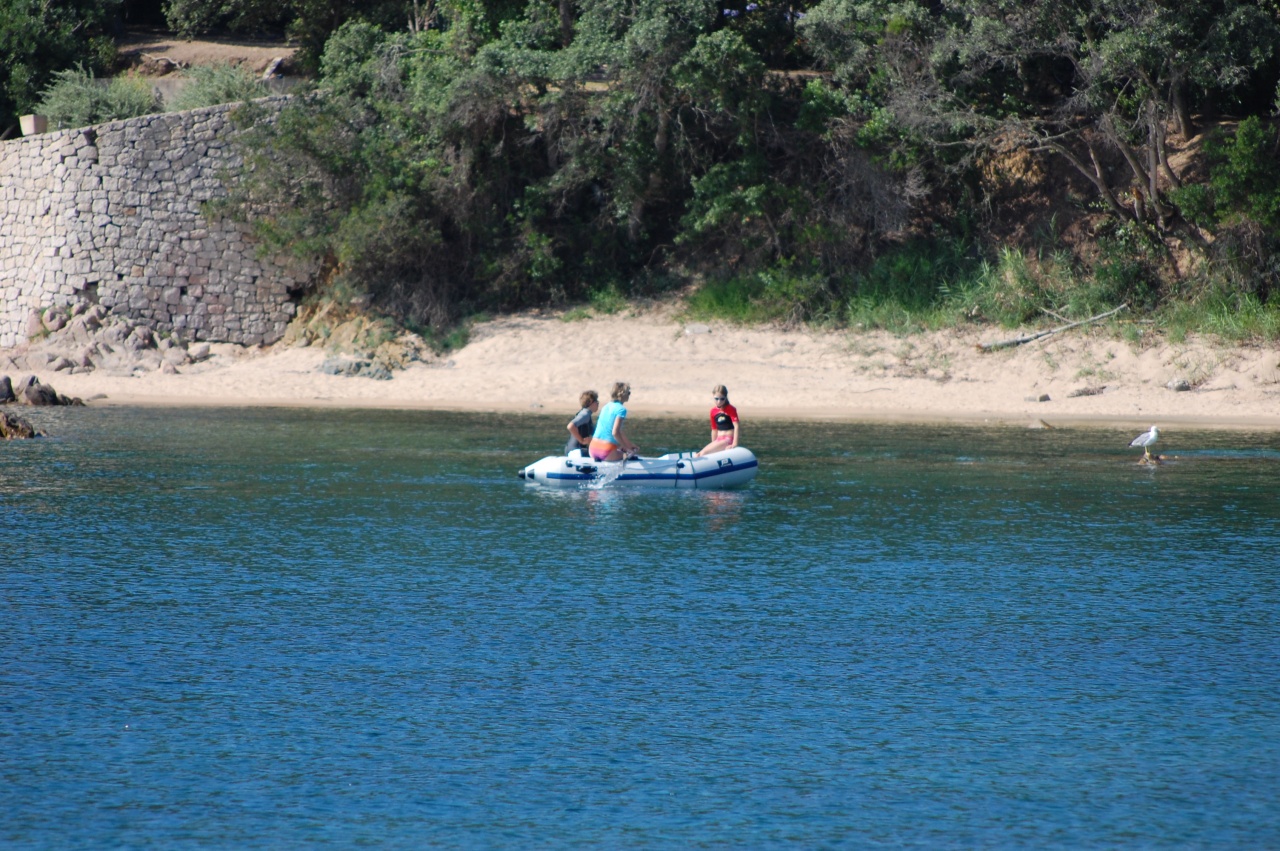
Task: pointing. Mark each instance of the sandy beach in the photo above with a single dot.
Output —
(539, 363)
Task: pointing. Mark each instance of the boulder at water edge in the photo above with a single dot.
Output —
(16, 428)
(38, 394)
(29, 391)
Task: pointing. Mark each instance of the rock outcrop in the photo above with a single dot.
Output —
(13, 427)
(87, 337)
(29, 391)
(355, 369)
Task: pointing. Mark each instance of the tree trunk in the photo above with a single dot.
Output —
(1153, 127)
(661, 140)
(1144, 181)
(1108, 127)
(1096, 175)
(1180, 102)
(566, 22)
(1163, 151)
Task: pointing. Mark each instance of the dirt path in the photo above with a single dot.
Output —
(143, 49)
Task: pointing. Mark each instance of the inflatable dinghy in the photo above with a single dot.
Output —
(728, 469)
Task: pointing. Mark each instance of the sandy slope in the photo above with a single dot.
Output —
(539, 362)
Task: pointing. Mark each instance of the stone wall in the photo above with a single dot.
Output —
(114, 215)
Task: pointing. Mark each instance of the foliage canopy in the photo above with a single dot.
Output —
(806, 157)
(40, 37)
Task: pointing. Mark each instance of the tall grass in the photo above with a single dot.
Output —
(912, 287)
(731, 299)
(945, 283)
(1235, 317)
(780, 293)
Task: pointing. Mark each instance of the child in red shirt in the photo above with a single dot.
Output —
(725, 428)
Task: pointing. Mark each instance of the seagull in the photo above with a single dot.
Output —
(1146, 440)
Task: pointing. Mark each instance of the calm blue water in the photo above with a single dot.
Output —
(302, 628)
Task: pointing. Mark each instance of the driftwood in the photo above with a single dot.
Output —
(1087, 391)
(1018, 341)
(163, 64)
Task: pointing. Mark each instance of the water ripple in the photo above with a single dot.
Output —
(298, 629)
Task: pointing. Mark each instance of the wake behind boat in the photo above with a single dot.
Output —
(718, 471)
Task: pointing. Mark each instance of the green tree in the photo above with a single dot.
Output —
(385, 172)
(1081, 78)
(492, 161)
(1244, 173)
(41, 37)
(190, 18)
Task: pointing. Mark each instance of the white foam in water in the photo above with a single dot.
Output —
(607, 474)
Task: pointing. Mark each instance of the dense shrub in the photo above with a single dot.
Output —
(1244, 177)
(1240, 203)
(209, 85)
(77, 99)
(499, 154)
(514, 179)
(190, 18)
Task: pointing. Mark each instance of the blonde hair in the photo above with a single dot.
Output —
(721, 390)
(588, 398)
(620, 389)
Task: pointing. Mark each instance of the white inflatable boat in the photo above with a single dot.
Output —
(728, 469)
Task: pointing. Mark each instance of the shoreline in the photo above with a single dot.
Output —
(538, 363)
(771, 415)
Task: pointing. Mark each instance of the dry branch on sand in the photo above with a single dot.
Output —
(1018, 341)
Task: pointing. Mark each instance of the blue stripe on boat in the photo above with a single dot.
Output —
(706, 474)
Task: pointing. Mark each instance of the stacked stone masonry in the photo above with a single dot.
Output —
(115, 214)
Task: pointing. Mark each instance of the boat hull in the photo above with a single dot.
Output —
(731, 468)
